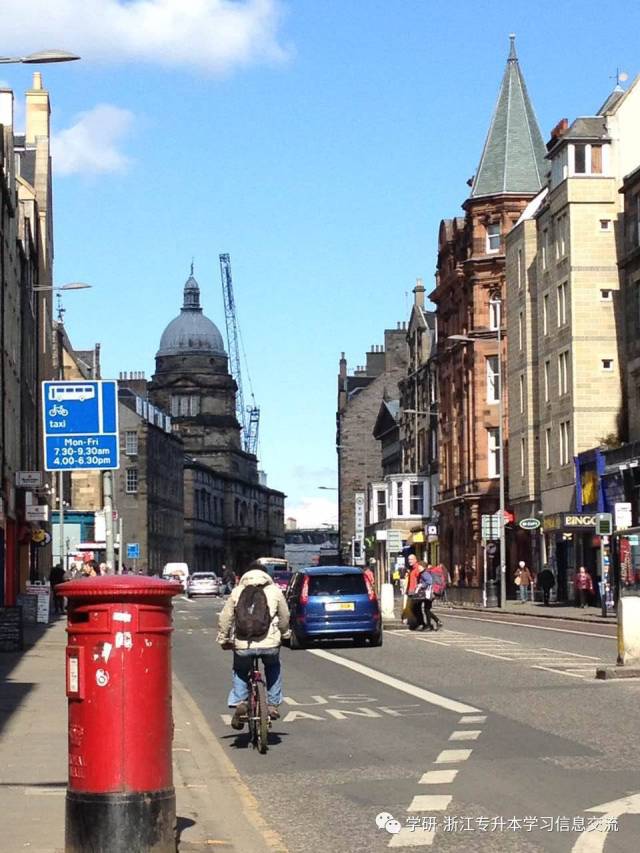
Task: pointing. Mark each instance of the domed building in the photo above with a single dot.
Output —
(231, 517)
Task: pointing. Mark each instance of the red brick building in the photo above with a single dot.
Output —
(469, 283)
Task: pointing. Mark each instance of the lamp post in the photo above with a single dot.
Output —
(73, 285)
(40, 57)
(471, 338)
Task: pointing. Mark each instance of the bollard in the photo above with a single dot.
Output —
(120, 796)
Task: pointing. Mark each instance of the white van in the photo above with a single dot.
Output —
(176, 571)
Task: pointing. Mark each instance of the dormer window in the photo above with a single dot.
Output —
(493, 237)
(587, 159)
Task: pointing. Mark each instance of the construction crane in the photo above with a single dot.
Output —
(249, 416)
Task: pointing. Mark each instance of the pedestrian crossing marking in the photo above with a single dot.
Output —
(429, 803)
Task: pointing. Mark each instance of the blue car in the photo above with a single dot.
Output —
(333, 602)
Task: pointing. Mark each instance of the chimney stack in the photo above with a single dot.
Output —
(38, 111)
(418, 293)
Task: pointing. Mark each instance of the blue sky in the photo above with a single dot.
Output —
(318, 142)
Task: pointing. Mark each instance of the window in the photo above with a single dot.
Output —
(399, 498)
(563, 372)
(493, 452)
(381, 503)
(519, 269)
(547, 380)
(131, 443)
(523, 456)
(580, 159)
(607, 363)
(547, 448)
(521, 393)
(562, 235)
(185, 405)
(416, 498)
(564, 443)
(493, 237)
(587, 159)
(545, 243)
(131, 482)
(545, 314)
(520, 331)
(494, 315)
(596, 159)
(562, 303)
(605, 225)
(606, 295)
(493, 379)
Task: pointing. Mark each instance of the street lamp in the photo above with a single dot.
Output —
(40, 57)
(72, 285)
(496, 302)
(328, 488)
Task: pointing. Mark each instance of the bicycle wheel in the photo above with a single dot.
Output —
(252, 716)
(262, 718)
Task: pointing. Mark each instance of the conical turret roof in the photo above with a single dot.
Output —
(513, 157)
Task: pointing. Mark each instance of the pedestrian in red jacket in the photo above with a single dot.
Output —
(584, 586)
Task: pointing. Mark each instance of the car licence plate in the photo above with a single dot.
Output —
(339, 605)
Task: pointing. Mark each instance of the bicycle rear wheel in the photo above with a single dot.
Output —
(252, 717)
(262, 718)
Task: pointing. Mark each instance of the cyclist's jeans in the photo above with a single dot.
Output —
(242, 668)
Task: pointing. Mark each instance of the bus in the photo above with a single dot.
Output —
(277, 569)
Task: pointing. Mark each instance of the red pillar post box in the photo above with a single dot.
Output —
(120, 796)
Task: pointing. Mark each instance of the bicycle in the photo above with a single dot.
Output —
(258, 711)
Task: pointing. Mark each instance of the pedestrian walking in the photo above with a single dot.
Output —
(228, 577)
(584, 586)
(546, 582)
(523, 580)
(56, 576)
(414, 615)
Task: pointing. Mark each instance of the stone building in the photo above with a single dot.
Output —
(469, 293)
(566, 327)
(360, 396)
(148, 487)
(25, 326)
(231, 516)
(630, 300)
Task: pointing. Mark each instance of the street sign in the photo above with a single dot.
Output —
(133, 551)
(29, 479)
(490, 526)
(394, 541)
(604, 524)
(36, 512)
(80, 425)
(529, 523)
(622, 512)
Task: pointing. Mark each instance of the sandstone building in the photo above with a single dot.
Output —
(470, 290)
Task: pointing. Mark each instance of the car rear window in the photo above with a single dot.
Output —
(201, 577)
(282, 576)
(337, 585)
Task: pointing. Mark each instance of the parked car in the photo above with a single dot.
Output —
(282, 579)
(204, 583)
(333, 602)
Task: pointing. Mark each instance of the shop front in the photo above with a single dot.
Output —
(571, 542)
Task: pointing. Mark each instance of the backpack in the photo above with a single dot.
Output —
(252, 617)
(439, 582)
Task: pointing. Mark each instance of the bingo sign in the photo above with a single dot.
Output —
(80, 425)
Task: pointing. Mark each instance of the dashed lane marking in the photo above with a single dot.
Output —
(465, 734)
(430, 803)
(397, 684)
(408, 837)
(474, 718)
(453, 756)
(438, 777)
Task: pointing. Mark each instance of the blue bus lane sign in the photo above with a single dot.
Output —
(80, 419)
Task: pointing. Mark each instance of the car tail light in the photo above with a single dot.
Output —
(304, 594)
(370, 590)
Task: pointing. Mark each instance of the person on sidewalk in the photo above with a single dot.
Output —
(56, 576)
(256, 593)
(228, 578)
(424, 600)
(415, 617)
(546, 582)
(584, 586)
(523, 580)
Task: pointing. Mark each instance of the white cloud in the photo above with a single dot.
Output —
(214, 35)
(313, 512)
(92, 144)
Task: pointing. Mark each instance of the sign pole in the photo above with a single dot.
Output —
(107, 484)
(63, 544)
(484, 577)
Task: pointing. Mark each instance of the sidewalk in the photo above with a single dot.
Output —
(214, 807)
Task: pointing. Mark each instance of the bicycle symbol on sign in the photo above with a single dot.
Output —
(58, 411)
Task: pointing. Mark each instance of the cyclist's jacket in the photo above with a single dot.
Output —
(277, 608)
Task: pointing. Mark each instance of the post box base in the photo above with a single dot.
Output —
(121, 823)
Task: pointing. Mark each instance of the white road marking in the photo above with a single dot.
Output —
(397, 684)
(453, 756)
(474, 718)
(438, 777)
(413, 838)
(226, 719)
(429, 803)
(465, 734)
(537, 627)
(188, 600)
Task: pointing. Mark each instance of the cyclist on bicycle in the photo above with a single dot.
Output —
(254, 621)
